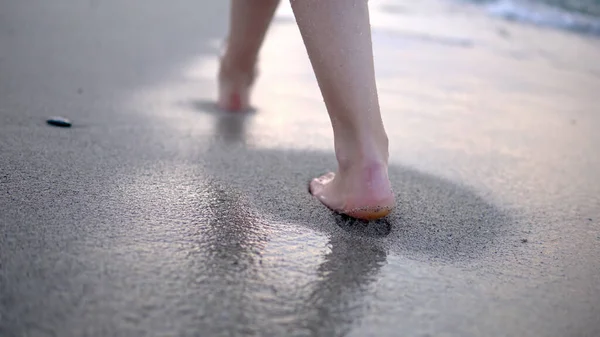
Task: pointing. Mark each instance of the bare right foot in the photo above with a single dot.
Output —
(341, 54)
(362, 192)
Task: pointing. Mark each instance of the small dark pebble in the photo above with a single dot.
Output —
(59, 121)
(524, 240)
(80, 91)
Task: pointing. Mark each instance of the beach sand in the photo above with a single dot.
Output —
(191, 222)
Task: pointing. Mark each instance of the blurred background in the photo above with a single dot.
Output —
(576, 15)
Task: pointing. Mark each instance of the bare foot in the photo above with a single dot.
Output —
(235, 85)
(363, 192)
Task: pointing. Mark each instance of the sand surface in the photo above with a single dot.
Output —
(156, 215)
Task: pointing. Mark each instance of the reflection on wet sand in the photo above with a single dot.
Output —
(338, 299)
(230, 127)
(228, 253)
(226, 267)
(326, 296)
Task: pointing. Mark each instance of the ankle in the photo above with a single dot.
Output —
(370, 178)
(362, 154)
(236, 62)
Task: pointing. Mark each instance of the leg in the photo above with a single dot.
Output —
(248, 24)
(337, 36)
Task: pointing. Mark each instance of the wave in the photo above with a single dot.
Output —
(542, 14)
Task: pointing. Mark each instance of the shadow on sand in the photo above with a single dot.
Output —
(434, 218)
(262, 257)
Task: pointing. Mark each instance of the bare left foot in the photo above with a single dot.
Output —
(235, 85)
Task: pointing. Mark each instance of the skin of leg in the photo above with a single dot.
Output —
(337, 37)
(249, 21)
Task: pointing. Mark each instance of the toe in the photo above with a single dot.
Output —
(326, 178)
(318, 184)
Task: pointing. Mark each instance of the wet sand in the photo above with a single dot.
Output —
(156, 215)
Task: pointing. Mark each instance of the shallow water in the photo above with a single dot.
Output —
(587, 7)
(581, 16)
